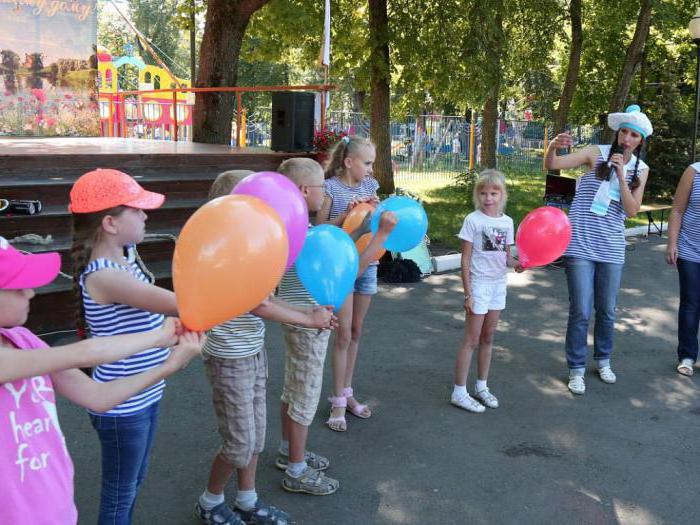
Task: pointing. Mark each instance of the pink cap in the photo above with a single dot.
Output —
(19, 271)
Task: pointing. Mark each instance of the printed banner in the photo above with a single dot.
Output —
(48, 68)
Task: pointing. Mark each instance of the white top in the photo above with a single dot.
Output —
(489, 237)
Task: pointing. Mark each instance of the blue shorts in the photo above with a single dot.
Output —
(366, 284)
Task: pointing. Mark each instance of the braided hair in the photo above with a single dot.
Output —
(602, 171)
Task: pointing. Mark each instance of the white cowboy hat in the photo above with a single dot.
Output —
(632, 118)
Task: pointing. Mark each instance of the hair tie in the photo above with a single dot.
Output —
(345, 139)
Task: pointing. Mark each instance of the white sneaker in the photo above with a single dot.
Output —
(468, 403)
(607, 375)
(487, 398)
(577, 385)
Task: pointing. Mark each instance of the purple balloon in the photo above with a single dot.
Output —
(282, 195)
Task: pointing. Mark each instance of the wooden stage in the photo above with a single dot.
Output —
(44, 169)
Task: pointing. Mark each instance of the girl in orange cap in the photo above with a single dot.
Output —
(117, 296)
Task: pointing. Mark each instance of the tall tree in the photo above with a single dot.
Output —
(380, 79)
(573, 67)
(492, 18)
(226, 23)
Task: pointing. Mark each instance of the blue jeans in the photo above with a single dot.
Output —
(689, 309)
(126, 442)
(591, 284)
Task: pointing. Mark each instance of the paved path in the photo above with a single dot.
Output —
(623, 453)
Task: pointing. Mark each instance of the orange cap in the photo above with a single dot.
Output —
(102, 189)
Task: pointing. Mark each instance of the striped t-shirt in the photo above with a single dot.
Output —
(594, 237)
(689, 235)
(114, 319)
(341, 194)
(243, 336)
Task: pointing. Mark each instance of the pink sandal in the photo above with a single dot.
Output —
(359, 409)
(337, 424)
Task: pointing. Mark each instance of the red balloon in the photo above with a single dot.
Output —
(543, 236)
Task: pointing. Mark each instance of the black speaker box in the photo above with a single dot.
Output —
(292, 121)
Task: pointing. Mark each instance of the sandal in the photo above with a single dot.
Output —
(337, 423)
(313, 460)
(359, 410)
(264, 514)
(685, 367)
(219, 515)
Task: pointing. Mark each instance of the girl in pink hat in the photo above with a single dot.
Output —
(34, 462)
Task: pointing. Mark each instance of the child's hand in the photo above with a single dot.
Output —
(322, 317)
(387, 222)
(168, 333)
(469, 304)
(373, 200)
(189, 345)
(518, 268)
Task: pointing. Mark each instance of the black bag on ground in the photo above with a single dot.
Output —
(399, 270)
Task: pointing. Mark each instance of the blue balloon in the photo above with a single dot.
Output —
(328, 264)
(412, 223)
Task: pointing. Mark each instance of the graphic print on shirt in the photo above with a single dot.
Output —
(32, 391)
(493, 239)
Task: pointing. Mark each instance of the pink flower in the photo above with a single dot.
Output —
(50, 122)
(39, 95)
(37, 120)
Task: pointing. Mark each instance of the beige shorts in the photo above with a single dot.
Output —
(303, 371)
(238, 393)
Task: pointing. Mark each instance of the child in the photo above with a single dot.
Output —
(487, 234)
(349, 181)
(118, 297)
(36, 472)
(236, 364)
(306, 353)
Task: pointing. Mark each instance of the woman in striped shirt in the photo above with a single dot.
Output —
(118, 297)
(683, 250)
(610, 191)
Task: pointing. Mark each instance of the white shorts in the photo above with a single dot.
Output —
(489, 296)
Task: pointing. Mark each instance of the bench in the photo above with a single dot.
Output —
(649, 209)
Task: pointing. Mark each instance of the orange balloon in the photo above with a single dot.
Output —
(353, 221)
(230, 256)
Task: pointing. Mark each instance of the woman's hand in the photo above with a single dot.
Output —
(618, 162)
(563, 141)
(671, 253)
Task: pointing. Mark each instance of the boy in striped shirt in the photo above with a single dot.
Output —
(236, 365)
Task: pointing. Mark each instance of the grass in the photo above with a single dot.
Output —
(447, 202)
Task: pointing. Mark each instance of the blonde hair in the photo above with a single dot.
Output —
(490, 179)
(347, 146)
(226, 181)
(301, 171)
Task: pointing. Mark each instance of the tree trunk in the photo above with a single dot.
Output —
(561, 115)
(379, 82)
(193, 38)
(633, 58)
(494, 50)
(225, 27)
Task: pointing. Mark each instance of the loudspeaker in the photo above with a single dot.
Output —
(292, 121)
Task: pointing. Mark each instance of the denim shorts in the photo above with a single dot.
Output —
(366, 284)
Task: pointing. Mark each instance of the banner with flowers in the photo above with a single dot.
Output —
(48, 68)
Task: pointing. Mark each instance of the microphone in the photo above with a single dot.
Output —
(615, 149)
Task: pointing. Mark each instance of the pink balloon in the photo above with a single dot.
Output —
(543, 236)
(282, 195)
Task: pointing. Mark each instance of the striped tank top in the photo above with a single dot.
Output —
(341, 194)
(596, 238)
(689, 235)
(243, 336)
(114, 319)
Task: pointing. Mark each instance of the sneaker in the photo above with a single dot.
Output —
(315, 461)
(263, 514)
(577, 385)
(219, 515)
(468, 403)
(487, 398)
(607, 375)
(310, 481)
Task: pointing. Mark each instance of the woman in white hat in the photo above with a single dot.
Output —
(683, 250)
(609, 192)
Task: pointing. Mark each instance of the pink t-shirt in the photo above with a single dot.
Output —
(36, 472)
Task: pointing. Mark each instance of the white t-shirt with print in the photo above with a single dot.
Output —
(489, 237)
